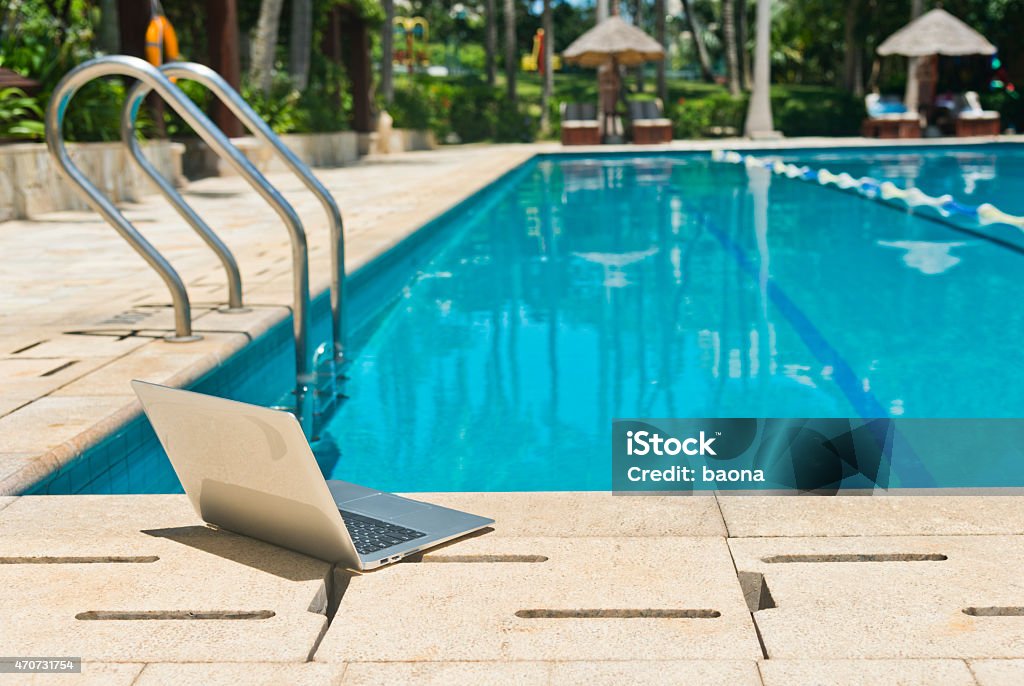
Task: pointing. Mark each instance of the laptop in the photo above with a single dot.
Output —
(250, 470)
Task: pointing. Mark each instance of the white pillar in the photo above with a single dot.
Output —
(602, 10)
(759, 116)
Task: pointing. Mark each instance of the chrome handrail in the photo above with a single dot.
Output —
(54, 126)
(151, 78)
(167, 189)
(305, 372)
(240, 108)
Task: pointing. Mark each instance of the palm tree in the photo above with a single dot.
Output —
(300, 43)
(911, 95)
(548, 24)
(492, 40)
(659, 35)
(698, 40)
(742, 32)
(729, 38)
(853, 80)
(510, 48)
(387, 49)
(759, 112)
(264, 44)
(107, 32)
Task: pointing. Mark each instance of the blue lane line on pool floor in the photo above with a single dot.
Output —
(864, 402)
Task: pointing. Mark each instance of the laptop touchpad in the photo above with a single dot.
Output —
(385, 506)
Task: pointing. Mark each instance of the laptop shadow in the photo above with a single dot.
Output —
(264, 557)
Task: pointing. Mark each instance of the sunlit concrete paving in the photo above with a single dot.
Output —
(566, 588)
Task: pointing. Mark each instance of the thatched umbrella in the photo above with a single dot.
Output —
(936, 33)
(614, 40)
(611, 43)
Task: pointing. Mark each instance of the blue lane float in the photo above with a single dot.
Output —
(912, 197)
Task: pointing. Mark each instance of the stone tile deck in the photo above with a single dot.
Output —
(456, 616)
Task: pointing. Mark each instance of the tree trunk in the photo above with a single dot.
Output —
(912, 93)
(510, 49)
(133, 18)
(264, 44)
(851, 45)
(107, 36)
(602, 10)
(492, 41)
(300, 44)
(759, 115)
(355, 46)
(222, 41)
(548, 24)
(659, 35)
(638, 21)
(729, 40)
(742, 38)
(698, 41)
(387, 52)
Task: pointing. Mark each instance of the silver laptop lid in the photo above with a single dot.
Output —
(248, 469)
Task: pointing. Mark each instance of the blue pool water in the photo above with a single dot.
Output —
(580, 290)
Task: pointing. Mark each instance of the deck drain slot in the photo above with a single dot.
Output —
(1011, 611)
(485, 558)
(27, 347)
(755, 591)
(649, 613)
(858, 557)
(101, 559)
(175, 614)
(59, 368)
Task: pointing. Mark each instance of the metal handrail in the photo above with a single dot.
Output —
(305, 372)
(54, 126)
(259, 128)
(227, 259)
(153, 79)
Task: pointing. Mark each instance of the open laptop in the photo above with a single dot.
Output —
(249, 469)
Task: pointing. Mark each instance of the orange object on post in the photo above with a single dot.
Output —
(161, 41)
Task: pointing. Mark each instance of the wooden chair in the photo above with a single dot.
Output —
(649, 122)
(972, 120)
(579, 124)
(888, 118)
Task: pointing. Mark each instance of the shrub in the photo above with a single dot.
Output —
(797, 112)
(1010, 107)
(718, 114)
(470, 109)
(20, 115)
(816, 111)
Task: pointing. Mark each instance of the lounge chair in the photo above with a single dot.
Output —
(972, 120)
(649, 122)
(888, 118)
(579, 124)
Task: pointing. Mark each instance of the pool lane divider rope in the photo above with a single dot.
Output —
(871, 188)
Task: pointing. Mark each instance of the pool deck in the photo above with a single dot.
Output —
(566, 588)
(82, 315)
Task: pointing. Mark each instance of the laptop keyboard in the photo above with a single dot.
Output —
(370, 535)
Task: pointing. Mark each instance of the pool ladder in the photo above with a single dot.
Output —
(319, 369)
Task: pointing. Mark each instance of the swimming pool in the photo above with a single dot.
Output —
(504, 339)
